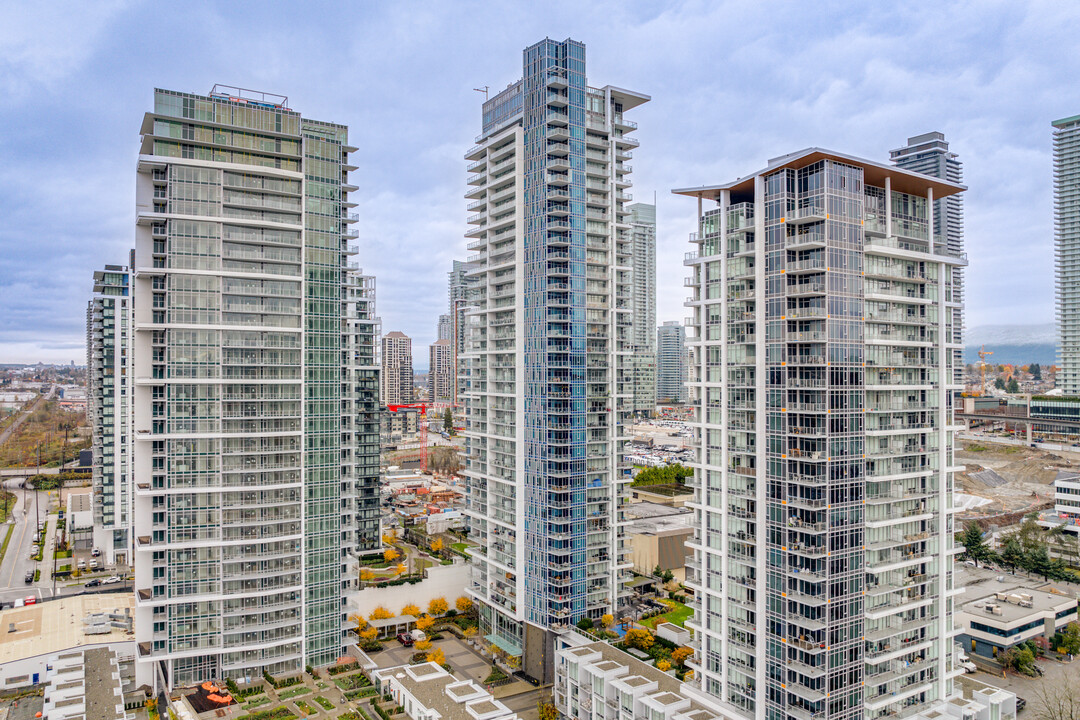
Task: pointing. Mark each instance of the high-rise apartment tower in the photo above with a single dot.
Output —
(1067, 242)
(110, 333)
(671, 363)
(440, 379)
(548, 350)
(397, 369)
(822, 380)
(929, 154)
(256, 390)
(643, 288)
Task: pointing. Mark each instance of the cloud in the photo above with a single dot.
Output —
(733, 84)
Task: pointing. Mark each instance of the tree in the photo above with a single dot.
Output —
(607, 620)
(370, 634)
(1021, 659)
(410, 609)
(1036, 371)
(999, 384)
(663, 665)
(657, 571)
(674, 474)
(390, 536)
(667, 577)
(448, 421)
(639, 638)
(1070, 638)
(361, 623)
(679, 656)
(380, 613)
(974, 545)
(547, 711)
(470, 632)
(585, 623)
(424, 622)
(390, 555)
(423, 645)
(1013, 386)
(437, 545)
(1038, 561)
(1012, 554)
(1056, 700)
(463, 604)
(438, 606)
(400, 569)
(437, 656)
(366, 575)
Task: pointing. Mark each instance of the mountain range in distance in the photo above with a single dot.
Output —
(1012, 344)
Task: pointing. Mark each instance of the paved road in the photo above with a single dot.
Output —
(29, 507)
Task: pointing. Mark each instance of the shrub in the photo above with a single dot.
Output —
(639, 638)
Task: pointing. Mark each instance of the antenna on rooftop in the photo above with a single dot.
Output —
(483, 90)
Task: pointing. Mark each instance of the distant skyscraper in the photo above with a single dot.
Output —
(255, 390)
(440, 381)
(822, 387)
(457, 285)
(397, 369)
(445, 328)
(1067, 240)
(110, 334)
(643, 304)
(548, 349)
(929, 154)
(671, 363)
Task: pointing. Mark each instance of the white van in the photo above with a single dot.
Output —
(20, 603)
(81, 565)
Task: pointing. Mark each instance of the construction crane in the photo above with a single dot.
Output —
(421, 427)
(983, 354)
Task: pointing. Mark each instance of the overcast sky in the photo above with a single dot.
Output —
(732, 84)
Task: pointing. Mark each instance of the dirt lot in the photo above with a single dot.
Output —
(1022, 477)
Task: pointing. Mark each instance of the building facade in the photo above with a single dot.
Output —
(929, 154)
(643, 262)
(255, 389)
(671, 363)
(548, 348)
(457, 291)
(397, 369)
(110, 332)
(822, 381)
(440, 372)
(445, 329)
(1067, 243)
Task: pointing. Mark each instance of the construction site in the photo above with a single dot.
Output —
(1001, 483)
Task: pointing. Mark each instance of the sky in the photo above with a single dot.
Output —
(732, 85)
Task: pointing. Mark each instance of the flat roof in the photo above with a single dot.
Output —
(1041, 602)
(451, 697)
(874, 174)
(57, 625)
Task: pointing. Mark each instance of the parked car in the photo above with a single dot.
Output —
(112, 580)
(405, 639)
(30, 600)
(95, 552)
(29, 578)
(1021, 703)
(93, 583)
(81, 565)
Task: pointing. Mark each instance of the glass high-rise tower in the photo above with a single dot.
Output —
(822, 378)
(255, 389)
(1067, 242)
(643, 261)
(549, 378)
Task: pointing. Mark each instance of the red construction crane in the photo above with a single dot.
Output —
(421, 426)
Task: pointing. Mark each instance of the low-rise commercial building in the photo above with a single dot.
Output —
(997, 622)
(429, 692)
(659, 537)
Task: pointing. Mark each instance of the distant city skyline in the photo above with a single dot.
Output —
(81, 73)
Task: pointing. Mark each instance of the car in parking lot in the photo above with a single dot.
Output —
(29, 578)
(93, 583)
(30, 600)
(405, 639)
(112, 580)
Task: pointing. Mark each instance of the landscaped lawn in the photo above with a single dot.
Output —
(293, 692)
(460, 547)
(678, 615)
